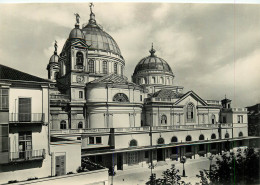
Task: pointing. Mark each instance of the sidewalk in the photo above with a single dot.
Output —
(140, 175)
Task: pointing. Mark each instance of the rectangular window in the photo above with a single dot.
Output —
(122, 70)
(4, 99)
(141, 98)
(91, 66)
(98, 140)
(24, 109)
(80, 94)
(115, 68)
(25, 145)
(105, 67)
(91, 140)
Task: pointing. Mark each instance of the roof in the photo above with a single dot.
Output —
(98, 39)
(166, 93)
(194, 95)
(8, 73)
(113, 78)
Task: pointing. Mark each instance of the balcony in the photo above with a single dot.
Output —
(31, 155)
(26, 118)
(133, 129)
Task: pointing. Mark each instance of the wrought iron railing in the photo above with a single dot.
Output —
(25, 117)
(27, 155)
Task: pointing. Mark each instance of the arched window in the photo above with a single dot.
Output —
(105, 67)
(91, 66)
(174, 139)
(213, 121)
(80, 125)
(160, 141)
(115, 68)
(79, 59)
(188, 138)
(63, 124)
(201, 137)
(190, 112)
(133, 143)
(227, 135)
(213, 136)
(120, 97)
(163, 119)
(240, 134)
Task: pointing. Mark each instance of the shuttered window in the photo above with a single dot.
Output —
(25, 109)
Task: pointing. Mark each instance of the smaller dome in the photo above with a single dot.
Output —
(76, 33)
(153, 63)
(54, 58)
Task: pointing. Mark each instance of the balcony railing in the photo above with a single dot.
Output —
(24, 117)
(78, 131)
(136, 129)
(27, 155)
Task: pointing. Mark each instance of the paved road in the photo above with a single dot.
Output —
(140, 176)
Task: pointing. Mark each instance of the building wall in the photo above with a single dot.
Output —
(72, 152)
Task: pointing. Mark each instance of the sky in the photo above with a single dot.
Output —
(213, 49)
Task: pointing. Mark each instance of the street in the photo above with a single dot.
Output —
(140, 176)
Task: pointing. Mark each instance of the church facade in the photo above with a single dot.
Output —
(124, 123)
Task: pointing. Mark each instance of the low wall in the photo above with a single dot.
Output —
(97, 177)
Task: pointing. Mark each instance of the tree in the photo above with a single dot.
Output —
(241, 167)
(170, 177)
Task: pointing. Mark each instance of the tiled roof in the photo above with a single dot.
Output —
(113, 78)
(166, 93)
(7, 73)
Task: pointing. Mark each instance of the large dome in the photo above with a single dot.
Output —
(153, 63)
(98, 39)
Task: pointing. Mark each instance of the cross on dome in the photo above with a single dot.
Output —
(152, 51)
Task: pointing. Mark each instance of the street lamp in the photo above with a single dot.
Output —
(183, 160)
(210, 159)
